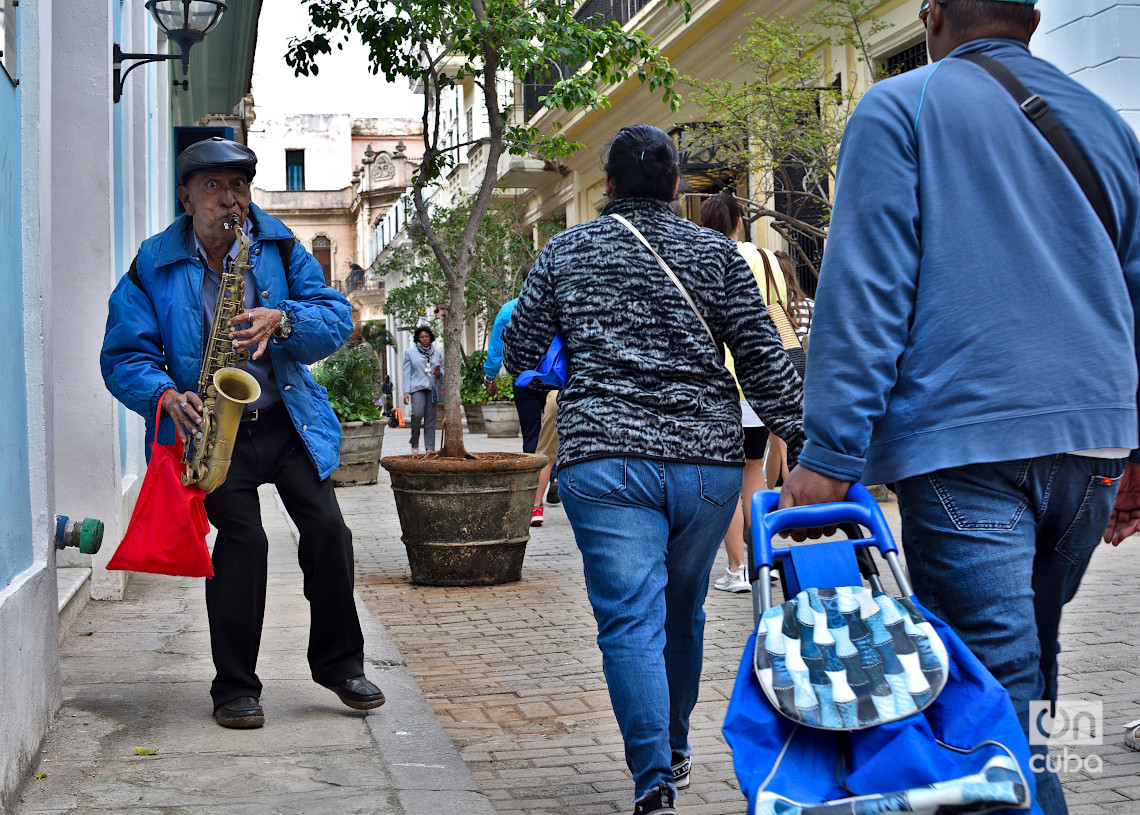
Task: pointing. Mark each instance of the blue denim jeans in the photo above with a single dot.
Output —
(996, 551)
(649, 532)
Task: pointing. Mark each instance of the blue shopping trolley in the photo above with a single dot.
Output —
(852, 701)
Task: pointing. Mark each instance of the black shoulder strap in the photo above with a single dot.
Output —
(285, 249)
(1037, 109)
(133, 274)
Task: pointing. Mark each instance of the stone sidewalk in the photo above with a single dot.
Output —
(514, 675)
(511, 673)
(137, 673)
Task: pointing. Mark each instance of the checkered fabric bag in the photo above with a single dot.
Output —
(848, 658)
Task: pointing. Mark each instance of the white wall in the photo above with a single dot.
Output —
(1097, 42)
(30, 686)
(90, 426)
(325, 138)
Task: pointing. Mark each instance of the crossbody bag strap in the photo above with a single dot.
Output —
(1037, 111)
(669, 273)
(777, 312)
(769, 277)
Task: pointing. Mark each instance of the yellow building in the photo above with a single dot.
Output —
(702, 48)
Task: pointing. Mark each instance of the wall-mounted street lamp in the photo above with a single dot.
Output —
(185, 22)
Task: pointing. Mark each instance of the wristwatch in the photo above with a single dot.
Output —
(285, 329)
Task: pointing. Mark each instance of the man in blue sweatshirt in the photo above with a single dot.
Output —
(974, 340)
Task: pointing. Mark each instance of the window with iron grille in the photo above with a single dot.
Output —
(787, 178)
(906, 60)
(294, 169)
(607, 11)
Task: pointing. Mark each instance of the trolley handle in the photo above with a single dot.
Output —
(859, 508)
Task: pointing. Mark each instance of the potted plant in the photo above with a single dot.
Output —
(350, 377)
(499, 414)
(465, 517)
(472, 393)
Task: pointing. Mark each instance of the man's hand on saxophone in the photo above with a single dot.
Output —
(186, 411)
(263, 322)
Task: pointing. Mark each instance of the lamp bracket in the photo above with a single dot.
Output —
(120, 76)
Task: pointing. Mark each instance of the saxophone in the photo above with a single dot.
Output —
(225, 389)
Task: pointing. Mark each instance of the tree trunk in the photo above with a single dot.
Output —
(452, 372)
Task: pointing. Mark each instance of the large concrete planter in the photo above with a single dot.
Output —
(466, 522)
(474, 413)
(501, 420)
(360, 444)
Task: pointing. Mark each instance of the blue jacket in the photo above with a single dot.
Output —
(971, 307)
(155, 329)
(495, 344)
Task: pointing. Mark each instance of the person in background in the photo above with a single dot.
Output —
(386, 392)
(548, 446)
(1005, 448)
(723, 214)
(648, 483)
(422, 364)
(355, 278)
(800, 306)
(530, 403)
(799, 315)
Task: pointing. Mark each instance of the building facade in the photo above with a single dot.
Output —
(1095, 41)
(331, 178)
(354, 175)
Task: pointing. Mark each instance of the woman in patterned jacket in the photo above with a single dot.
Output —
(649, 427)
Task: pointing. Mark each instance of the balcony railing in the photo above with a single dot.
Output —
(351, 285)
(619, 11)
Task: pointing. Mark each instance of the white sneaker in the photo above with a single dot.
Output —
(733, 581)
(1132, 739)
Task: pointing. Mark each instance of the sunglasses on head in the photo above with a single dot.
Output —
(924, 10)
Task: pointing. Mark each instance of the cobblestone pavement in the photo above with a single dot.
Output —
(514, 675)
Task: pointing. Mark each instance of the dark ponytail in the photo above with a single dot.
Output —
(642, 161)
(722, 213)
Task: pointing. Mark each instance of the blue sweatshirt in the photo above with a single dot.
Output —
(971, 307)
(495, 343)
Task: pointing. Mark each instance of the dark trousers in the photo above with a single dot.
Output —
(269, 451)
(530, 404)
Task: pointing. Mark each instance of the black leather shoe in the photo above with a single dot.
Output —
(552, 493)
(358, 693)
(242, 712)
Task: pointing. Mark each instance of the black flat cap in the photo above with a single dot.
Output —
(215, 154)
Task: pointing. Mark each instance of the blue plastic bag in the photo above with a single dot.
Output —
(552, 371)
(789, 765)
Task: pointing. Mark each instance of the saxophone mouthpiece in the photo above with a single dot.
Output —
(232, 222)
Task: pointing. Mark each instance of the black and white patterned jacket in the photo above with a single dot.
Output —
(644, 378)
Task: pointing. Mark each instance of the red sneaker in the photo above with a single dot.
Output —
(536, 516)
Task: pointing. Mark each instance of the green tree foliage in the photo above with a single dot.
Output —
(350, 377)
(784, 125)
(439, 43)
(504, 244)
(376, 335)
(473, 390)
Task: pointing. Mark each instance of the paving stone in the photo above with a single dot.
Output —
(142, 678)
(514, 674)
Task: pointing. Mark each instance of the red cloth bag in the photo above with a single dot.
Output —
(167, 532)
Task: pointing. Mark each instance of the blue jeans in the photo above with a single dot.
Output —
(649, 532)
(996, 551)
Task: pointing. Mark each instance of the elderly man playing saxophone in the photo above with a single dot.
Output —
(160, 316)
